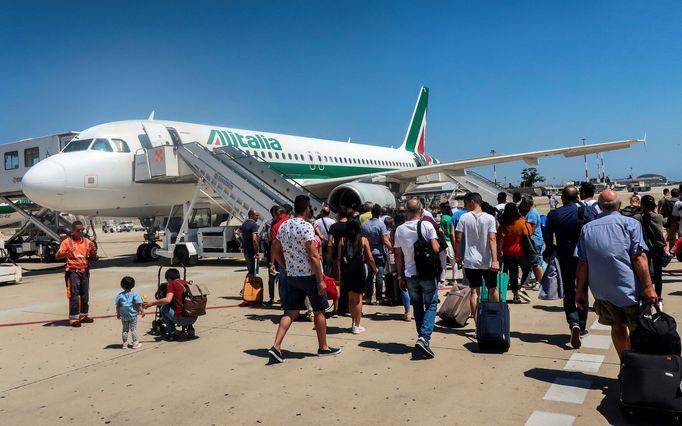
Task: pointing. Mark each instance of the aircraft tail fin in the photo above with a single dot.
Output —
(415, 139)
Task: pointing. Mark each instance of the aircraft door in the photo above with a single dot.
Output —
(311, 160)
(320, 162)
(158, 133)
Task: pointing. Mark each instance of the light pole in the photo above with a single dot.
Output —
(585, 159)
(493, 152)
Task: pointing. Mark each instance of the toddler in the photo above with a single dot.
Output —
(128, 305)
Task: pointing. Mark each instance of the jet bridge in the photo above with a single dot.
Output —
(242, 181)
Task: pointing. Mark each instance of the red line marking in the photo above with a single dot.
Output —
(15, 324)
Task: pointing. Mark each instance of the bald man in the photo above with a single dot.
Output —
(611, 252)
(563, 229)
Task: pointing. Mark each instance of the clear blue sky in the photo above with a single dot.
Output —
(506, 75)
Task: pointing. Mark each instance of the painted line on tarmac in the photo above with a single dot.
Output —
(16, 324)
(596, 325)
(544, 418)
(596, 341)
(573, 391)
(584, 363)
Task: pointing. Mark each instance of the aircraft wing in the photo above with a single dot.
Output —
(531, 158)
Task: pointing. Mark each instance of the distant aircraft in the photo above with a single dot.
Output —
(93, 175)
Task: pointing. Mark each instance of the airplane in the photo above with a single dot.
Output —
(93, 174)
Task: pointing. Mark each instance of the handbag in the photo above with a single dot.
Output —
(502, 286)
(194, 300)
(656, 333)
(551, 287)
(528, 244)
(332, 291)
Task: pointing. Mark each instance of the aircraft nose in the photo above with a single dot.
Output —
(44, 184)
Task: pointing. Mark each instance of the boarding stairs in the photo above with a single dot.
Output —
(474, 182)
(45, 220)
(242, 181)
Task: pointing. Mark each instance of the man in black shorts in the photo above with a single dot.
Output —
(296, 251)
(479, 254)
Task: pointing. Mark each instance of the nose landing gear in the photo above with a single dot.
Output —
(147, 252)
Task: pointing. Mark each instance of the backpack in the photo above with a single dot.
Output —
(667, 208)
(353, 258)
(426, 260)
(194, 299)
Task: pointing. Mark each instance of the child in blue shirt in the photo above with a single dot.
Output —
(128, 305)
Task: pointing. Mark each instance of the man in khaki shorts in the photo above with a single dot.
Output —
(611, 252)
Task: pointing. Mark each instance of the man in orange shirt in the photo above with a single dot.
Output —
(78, 251)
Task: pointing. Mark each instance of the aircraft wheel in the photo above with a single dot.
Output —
(153, 252)
(140, 252)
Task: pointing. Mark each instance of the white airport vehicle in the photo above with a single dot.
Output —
(125, 226)
(638, 187)
(144, 168)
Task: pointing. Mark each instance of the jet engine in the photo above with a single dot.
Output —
(357, 193)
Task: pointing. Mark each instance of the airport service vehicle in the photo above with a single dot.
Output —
(638, 187)
(146, 168)
(125, 226)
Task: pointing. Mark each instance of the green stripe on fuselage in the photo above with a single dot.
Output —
(305, 171)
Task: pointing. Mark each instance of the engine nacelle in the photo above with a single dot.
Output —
(356, 193)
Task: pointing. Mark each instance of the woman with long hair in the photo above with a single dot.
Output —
(354, 257)
(513, 251)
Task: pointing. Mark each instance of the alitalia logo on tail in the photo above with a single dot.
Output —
(224, 137)
(415, 139)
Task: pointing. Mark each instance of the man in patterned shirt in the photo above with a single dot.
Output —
(296, 250)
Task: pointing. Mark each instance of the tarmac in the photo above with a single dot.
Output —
(54, 374)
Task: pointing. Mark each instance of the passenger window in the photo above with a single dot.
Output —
(120, 145)
(277, 155)
(11, 160)
(31, 156)
(290, 157)
(101, 145)
(262, 154)
(296, 157)
(247, 153)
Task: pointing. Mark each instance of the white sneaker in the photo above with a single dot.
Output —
(136, 345)
(124, 346)
(357, 329)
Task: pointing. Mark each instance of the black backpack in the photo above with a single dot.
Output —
(656, 333)
(667, 208)
(427, 260)
(353, 258)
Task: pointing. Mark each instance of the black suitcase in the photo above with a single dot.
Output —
(650, 386)
(492, 327)
(393, 293)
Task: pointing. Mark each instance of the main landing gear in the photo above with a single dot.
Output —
(147, 252)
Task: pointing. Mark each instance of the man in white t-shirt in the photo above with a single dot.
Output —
(479, 230)
(501, 203)
(423, 293)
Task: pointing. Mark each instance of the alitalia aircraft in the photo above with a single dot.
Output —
(93, 175)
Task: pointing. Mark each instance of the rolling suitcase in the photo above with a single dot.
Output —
(650, 386)
(456, 307)
(393, 293)
(492, 327)
(253, 288)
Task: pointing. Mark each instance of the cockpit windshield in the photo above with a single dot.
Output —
(78, 145)
(101, 145)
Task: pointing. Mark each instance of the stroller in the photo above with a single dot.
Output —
(159, 327)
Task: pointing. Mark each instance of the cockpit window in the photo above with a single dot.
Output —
(101, 145)
(78, 145)
(120, 145)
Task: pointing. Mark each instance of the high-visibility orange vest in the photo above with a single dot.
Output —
(79, 258)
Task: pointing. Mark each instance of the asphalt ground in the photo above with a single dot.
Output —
(54, 374)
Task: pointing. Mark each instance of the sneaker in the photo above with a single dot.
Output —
(525, 297)
(124, 346)
(424, 348)
(329, 351)
(310, 316)
(86, 320)
(191, 333)
(407, 316)
(172, 337)
(75, 323)
(357, 329)
(575, 336)
(276, 355)
(516, 299)
(584, 333)
(270, 302)
(136, 345)
(335, 314)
